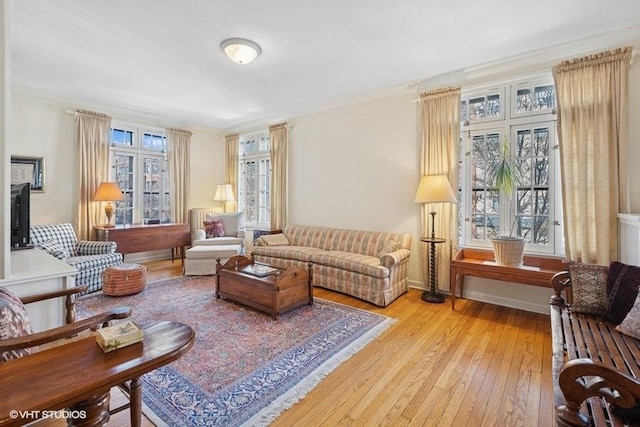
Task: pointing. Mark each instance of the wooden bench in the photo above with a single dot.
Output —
(595, 368)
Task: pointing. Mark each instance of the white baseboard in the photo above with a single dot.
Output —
(538, 304)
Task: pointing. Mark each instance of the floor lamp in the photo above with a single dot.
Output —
(434, 189)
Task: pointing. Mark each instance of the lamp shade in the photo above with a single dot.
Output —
(435, 189)
(224, 193)
(241, 51)
(108, 192)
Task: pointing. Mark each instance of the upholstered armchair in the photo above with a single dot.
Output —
(214, 228)
(91, 258)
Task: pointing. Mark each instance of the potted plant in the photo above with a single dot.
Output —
(508, 249)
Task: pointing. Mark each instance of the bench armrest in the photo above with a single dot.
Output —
(560, 281)
(581, 379)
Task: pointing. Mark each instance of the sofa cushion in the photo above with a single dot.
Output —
(232, 223)
(63, 234)
(273, 240)
(631, 323)
(298, 253)
(588, 288)
(14, 322)
(92, 261)
(622, 288)
(214, 229)
(53, 248)
(388, 247)
(349, 261)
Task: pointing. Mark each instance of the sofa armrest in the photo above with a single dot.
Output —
(200, 235)
(86, 247)
(395, 257)
(241, 234)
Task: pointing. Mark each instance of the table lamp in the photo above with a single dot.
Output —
(224, 193)
(108, 192)
(434, 189)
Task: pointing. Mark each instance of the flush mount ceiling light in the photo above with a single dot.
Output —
(240, 51)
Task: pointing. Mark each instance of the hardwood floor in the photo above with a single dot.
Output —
(481, 365)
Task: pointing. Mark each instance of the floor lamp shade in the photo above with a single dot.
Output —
(435, 189)
(108, 192)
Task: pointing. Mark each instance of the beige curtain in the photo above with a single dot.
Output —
(178, 155)
(92, 137)
(592, 98)
(231, 149)
(278, 139)
(440, 135)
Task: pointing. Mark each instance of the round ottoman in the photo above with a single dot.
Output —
(124, 279)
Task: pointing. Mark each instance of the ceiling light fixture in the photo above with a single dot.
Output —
(240, 51)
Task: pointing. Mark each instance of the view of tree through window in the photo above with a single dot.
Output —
(529, 128)
(139, 166)
(254, 175)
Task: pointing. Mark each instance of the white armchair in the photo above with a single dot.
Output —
(215, 228)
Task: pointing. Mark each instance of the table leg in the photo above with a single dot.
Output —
(93, 412)
(135, 398)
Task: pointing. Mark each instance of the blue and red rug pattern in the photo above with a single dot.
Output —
(245, 368)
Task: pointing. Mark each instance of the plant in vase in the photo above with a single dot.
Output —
(508, 249)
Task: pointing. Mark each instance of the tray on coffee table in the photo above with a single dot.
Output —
(265, 288)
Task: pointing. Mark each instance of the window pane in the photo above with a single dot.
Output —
(121, 137)
(544, 97)
(152, 168)
(254, 176)
(523, 100)
(124, 176)
(154, 142)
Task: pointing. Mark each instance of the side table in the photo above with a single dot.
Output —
(432, 294)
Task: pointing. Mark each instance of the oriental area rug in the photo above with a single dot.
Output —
(245, 368)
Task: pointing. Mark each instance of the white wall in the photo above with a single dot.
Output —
(358, 167)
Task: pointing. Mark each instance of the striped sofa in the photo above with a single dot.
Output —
(368, 265)
(89, 257)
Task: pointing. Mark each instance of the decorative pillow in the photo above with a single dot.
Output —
(274, 240)
(589, 288)
(622, 288)
(214, 229)
(14, 323)
(233, 222)
(388, 247)
(631, 323)
(53, 248)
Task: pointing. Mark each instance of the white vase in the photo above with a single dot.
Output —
(508, 250)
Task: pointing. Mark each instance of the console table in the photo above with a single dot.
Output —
(536, 271)
(146, 237)
(83, 375)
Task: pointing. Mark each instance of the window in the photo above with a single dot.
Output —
(139, 166)
(528, 125)
(254, 179)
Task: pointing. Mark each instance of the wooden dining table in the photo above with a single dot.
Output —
(77, 377)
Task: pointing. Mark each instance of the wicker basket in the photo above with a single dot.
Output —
(124, 279)
(508, 251)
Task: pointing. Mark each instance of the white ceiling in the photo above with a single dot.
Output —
(162, 58)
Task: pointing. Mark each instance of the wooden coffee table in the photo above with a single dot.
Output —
(281, 290)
